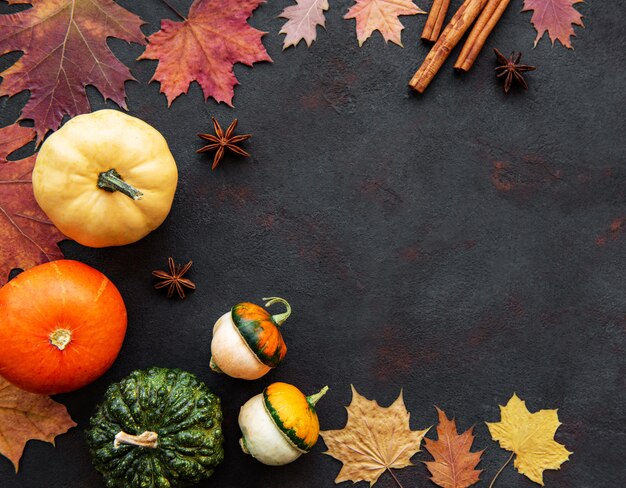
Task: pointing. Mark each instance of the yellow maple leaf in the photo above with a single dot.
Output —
(530, 436)
(374, 439)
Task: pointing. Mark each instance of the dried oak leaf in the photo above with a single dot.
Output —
(530, 436)
(381, 15)
(454, 464)
(28, 237)
(65, 48)
(204, 48)
(556, 17)
(25, 416)
(303, 19)
(374, 439)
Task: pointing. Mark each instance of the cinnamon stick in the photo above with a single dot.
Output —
(451, 35)
(481, 30)
(435, 19)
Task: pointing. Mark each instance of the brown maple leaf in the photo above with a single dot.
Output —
(381, 15)
(28, 237)
(25, 416)
(374, 439)
(556, 17)
(204, 48)
(65, 48)
(454, 464)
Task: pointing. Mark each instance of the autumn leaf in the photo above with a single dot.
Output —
(28, 237)
(530, 437)
(25, 416)
(65, 48)
(556, 17)
(454, 464)
(204, 48)
(374, 439)
(304, 17)
(381, 15)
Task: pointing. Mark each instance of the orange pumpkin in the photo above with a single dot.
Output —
(63, 324)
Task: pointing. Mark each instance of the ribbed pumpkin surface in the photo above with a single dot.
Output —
(61, 295)
(260, 332)
(172, 403)
(292, 414)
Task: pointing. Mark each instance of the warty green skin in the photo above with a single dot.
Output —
(177, 406)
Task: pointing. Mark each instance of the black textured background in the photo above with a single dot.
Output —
(462, 245)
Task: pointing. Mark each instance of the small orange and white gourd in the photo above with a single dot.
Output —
(247, 342)
(280, 424)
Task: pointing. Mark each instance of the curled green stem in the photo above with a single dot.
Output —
(280, 318)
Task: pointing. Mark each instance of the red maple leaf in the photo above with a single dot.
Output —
(204, 47)
(65, 49)
(28, 237)
(556, 17)
(454, 464)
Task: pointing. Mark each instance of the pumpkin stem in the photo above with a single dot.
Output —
(313, 399)
(61, 338)
(280, 318)
(112, 181)
(147, 439)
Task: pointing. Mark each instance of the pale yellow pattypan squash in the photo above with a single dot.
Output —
(105, 178)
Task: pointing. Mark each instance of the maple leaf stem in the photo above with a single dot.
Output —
(173, 9)
(394, 478)
(501, 469)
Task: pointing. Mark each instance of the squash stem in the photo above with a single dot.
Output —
(112, 181)
(214, 367)
(244, 447)
(61, 338)
(280, 318)
(313, 399)
(147, 439)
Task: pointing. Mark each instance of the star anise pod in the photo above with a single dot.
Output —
(512, 70)
(174, 280)
(222, 141)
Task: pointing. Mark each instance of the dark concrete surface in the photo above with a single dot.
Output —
(462, 245)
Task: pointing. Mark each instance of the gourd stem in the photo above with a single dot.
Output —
(112, 181)
(146, 439)
(242, 443)
(214, 367)
(313, 399)
(281, 317)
